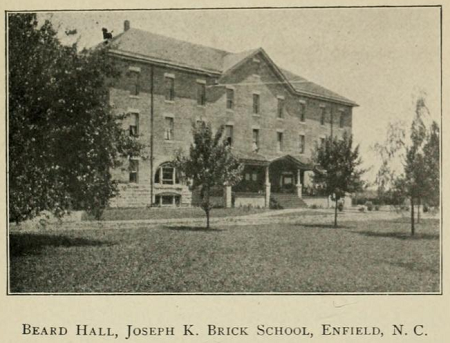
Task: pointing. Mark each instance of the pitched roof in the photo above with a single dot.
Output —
(135, 42)
(302, 85)
(167, 49)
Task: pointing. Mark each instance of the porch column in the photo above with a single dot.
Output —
(267, 184)
(299, 184)
(227, 196)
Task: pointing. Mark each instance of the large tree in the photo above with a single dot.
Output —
(420, 180)
(338, 172)
(210, 164)
(63, 137)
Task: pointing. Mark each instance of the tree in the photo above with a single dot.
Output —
(420, 180)
(340, 174)
(63, 137)
(210, 164)
(431, 152)
(390, 153)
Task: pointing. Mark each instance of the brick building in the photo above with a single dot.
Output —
(273, 118)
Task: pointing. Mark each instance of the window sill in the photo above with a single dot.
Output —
(169, 141)
(134, 97)
(169, 101)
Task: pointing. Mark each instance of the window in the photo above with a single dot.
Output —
(166, 175)
(302, 109)
(302, 144)
(322, 141)
(169, 88)
(255, 139)
(230, 99)
(201, 94)
(280, 108)
(280, 141)
(134, 124)
(229, 134)
(168, 128)
(167, 200)
(133, 169)
(322, 116)
(134, 82)
(256, 63)
(256, 104)
(341, 120)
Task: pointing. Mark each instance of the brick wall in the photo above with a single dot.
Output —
(249, 78)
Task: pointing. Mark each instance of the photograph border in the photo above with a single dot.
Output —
(9, 293)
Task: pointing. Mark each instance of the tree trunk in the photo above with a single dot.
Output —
(335, 211)
(412, 216)
(207, 219)
(207, 204)
(418, 210)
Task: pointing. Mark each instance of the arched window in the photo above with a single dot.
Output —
(166, 174)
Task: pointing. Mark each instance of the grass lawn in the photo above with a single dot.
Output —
(373, 256)
(167, 213)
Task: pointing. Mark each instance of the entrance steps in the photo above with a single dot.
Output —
(286, 200)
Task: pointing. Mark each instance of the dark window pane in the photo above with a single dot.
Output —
(201, 94)
(256, 103)
(134, 83)
(230, 99)
(167, 200)
(280, 109)
(167, 175)
(169, 88)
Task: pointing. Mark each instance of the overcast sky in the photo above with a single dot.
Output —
(381, 58)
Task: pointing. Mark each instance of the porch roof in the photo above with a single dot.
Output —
(300, 161)
(252, 158)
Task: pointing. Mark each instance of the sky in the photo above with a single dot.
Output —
(381, 58)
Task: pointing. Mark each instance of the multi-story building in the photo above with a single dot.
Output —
(273, 118)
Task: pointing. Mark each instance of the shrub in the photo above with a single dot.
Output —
(425, 209)
(369, 206)
(377, 208)
(313, 206)
(274, 204)
(340, 206)
(362, 209)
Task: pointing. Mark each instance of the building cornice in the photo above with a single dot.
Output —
(155, 61)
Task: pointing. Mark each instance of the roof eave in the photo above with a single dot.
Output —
(322, 97)
(151, 60)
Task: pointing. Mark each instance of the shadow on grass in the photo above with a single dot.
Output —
(399, 235)
(325, 226)
(193, 228)
(33, 244)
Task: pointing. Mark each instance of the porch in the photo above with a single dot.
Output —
(269, 183)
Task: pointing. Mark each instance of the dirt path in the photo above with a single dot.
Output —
(288, 216)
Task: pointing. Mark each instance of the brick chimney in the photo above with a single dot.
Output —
(126, 25)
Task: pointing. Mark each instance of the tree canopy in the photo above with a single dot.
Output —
(63, 137)
(419, 179)
(338, 164)
(210, 163)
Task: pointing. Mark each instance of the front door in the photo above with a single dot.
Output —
(287, 182)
